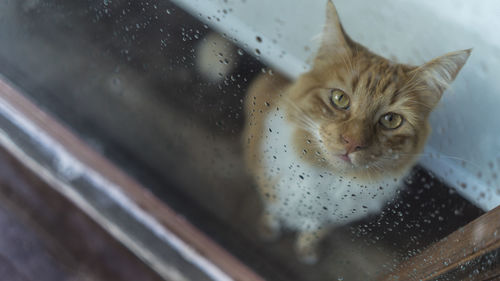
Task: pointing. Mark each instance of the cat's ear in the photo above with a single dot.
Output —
(334, 42)
(439, 73)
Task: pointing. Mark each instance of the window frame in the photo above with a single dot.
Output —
(39, 142)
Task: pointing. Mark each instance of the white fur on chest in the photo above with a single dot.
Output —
(309, 197)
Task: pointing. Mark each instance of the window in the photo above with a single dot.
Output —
(158, 89)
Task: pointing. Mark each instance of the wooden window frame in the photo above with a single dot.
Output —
(29, 135)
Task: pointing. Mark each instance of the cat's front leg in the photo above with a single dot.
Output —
(307, 244)
(269, 227)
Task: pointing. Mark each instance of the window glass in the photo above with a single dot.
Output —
(161, 87)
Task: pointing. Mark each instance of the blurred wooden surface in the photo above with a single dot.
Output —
(43, 237)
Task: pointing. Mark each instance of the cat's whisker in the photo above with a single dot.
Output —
(422, 104)
(437, 155)
(308, 122)
(377, 166)
(374, 168)
(348, 64)
(303, 117)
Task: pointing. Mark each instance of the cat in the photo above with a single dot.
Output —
(334, 145)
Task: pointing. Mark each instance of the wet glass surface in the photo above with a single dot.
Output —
(161, 94)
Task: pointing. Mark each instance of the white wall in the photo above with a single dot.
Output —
(464, 148)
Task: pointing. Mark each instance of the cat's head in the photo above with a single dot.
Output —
(364, 114)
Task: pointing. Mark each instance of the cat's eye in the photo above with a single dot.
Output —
(340, 99)
(391, 120)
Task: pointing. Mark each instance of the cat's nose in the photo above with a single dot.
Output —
(352, 144)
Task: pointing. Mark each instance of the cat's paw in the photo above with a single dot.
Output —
(307, 245)
(269, 229)
(307, 253)
(307, 256)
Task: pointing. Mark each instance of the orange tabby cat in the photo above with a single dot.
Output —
(334, 145)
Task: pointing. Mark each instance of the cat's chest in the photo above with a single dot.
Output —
(308, 190)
